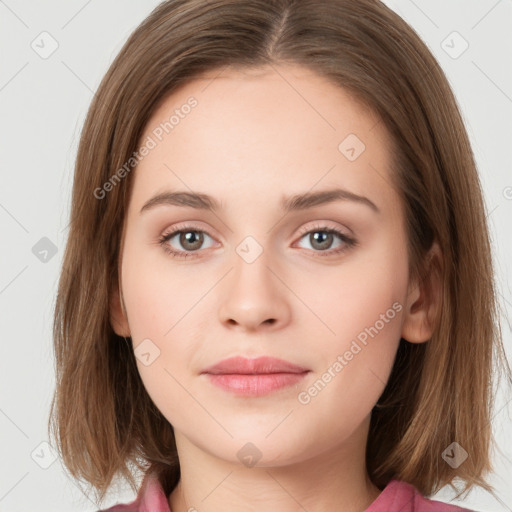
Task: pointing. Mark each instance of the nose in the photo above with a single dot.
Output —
(253, 296)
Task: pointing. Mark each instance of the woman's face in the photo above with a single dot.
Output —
(298, 253)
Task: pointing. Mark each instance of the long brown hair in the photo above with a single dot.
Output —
(439, 392)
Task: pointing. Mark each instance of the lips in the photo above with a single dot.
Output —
(260, 365)
(254, 377)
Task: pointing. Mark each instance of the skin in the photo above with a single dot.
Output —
(254, 137)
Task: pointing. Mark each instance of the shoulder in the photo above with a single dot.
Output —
(126, 507)
(150, 498)
(406, 498)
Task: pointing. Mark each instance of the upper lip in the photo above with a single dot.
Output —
(259, 365)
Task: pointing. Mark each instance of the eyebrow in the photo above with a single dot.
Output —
(293, 203)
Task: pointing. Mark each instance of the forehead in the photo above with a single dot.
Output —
(264, 130)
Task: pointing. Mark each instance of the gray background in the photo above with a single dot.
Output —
(43, 101)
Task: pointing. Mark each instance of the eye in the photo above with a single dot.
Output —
(189, 240)
(188, 237)
(321, 239)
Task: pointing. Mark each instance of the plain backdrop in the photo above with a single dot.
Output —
(53, 56)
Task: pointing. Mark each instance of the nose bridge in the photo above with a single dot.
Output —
(251, 249)
(253, 295)
(251, 236)
(252, 263)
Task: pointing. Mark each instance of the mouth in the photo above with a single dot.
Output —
(259, 365)
(254, 377)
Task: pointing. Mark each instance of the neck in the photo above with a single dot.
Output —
(316, 484)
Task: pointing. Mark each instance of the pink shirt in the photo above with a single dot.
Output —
(396, 496)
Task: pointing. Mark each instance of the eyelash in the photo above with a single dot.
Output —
(348, 241)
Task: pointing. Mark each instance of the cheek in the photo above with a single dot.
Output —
(160, 306)
(361, 308)
(158, 292)
(357, 295)
(164, 301)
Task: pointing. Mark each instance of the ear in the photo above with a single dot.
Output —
(118, 319)
(424, 299)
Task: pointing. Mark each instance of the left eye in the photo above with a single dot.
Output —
(322, 240)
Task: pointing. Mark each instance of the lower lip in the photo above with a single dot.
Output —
(255, 384)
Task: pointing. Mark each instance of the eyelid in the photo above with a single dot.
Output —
(307, 228)
(183, 226)
(324, 224)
